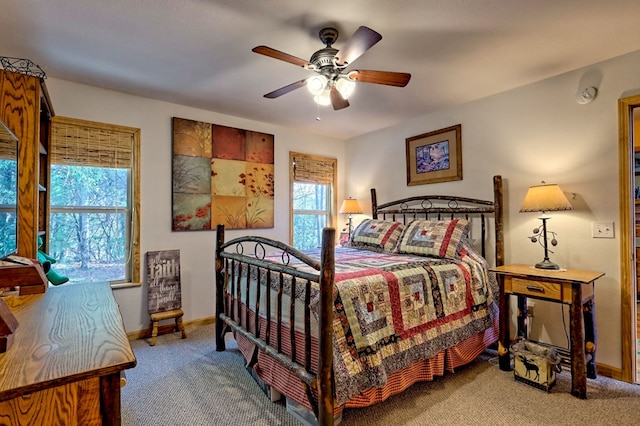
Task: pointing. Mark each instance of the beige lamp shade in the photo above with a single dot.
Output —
(350, 206)
(545, 198)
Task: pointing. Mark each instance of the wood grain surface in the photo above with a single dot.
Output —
(70, 340)
(20, 112)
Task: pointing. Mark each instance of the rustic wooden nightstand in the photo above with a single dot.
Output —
(572, 287)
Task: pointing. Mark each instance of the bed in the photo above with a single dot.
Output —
(408, 298)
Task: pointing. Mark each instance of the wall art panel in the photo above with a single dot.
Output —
(221, 175)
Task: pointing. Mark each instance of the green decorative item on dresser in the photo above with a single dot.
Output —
(46, 261)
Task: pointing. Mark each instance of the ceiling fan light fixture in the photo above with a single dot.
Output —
(317, 84)
(323, 98)
(333, 84)
(345, 86)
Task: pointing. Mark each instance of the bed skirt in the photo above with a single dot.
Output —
(288, 384)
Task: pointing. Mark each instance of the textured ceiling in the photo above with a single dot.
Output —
(198, 52)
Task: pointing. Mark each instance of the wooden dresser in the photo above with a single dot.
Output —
(65, 363)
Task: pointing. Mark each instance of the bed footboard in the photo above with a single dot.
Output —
(239, 280)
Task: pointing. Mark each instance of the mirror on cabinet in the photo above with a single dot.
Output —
(8, 192)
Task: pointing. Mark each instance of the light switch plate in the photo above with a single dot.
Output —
(602, 230)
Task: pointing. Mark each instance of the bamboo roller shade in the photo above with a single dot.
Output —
(8, 149)
(8, 145)
(86, 146)
(307, 169)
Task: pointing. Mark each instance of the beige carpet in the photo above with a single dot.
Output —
(185, 382)
(481, 394)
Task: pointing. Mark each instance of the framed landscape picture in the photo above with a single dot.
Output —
(435, 156)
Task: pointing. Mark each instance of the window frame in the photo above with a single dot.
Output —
(333, 196)
(134, 245)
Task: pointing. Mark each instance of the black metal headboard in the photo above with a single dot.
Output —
(441, 207)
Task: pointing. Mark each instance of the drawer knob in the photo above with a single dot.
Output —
(535, 288)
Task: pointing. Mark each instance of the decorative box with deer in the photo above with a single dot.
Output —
(535, 364)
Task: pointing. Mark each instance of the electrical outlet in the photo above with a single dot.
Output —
(602, 230)
(530, 304)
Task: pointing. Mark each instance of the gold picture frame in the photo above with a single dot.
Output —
(435, 156)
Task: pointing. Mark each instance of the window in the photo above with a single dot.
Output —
(313, 200)
(94, 201)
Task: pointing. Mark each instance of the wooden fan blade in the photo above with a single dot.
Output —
(337, 100)
(389, 78)
(360, 42)
(286, 89)
(273, 53)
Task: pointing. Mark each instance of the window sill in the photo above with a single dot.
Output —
(125, 285)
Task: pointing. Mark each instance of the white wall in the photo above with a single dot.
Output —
(196, 248)
(533, 133)
(529, 134)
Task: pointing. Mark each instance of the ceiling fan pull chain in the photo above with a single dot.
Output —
(318, 112)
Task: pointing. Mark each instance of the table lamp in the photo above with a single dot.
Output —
(350, 207)
(545, 198)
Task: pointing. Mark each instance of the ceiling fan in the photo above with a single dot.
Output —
(333, 84)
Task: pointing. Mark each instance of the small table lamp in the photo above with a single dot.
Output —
(350, 207)
(545, 198)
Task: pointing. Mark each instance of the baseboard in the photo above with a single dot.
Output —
(609, 371)
(168, 328)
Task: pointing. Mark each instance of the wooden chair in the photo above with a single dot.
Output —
(159, 316)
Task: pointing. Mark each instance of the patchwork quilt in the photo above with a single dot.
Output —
(392, 310)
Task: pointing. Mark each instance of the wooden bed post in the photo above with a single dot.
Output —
(498, 219)
(220, 346)
(374, 204)
(325, 340)
(504, 360)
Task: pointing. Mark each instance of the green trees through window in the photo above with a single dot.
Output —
(311, 213)
(88, 222)
(8, 215)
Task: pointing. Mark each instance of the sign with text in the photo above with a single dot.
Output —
(163, 276)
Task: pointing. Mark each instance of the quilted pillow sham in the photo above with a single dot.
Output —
(438, 238)
(377, 235)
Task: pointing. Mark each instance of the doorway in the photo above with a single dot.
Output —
(629, 128)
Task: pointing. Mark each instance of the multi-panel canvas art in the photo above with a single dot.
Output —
(221, 175)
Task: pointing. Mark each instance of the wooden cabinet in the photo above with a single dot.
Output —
(637, 216)
(638, 278)
(26, 110)
(65, 364)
